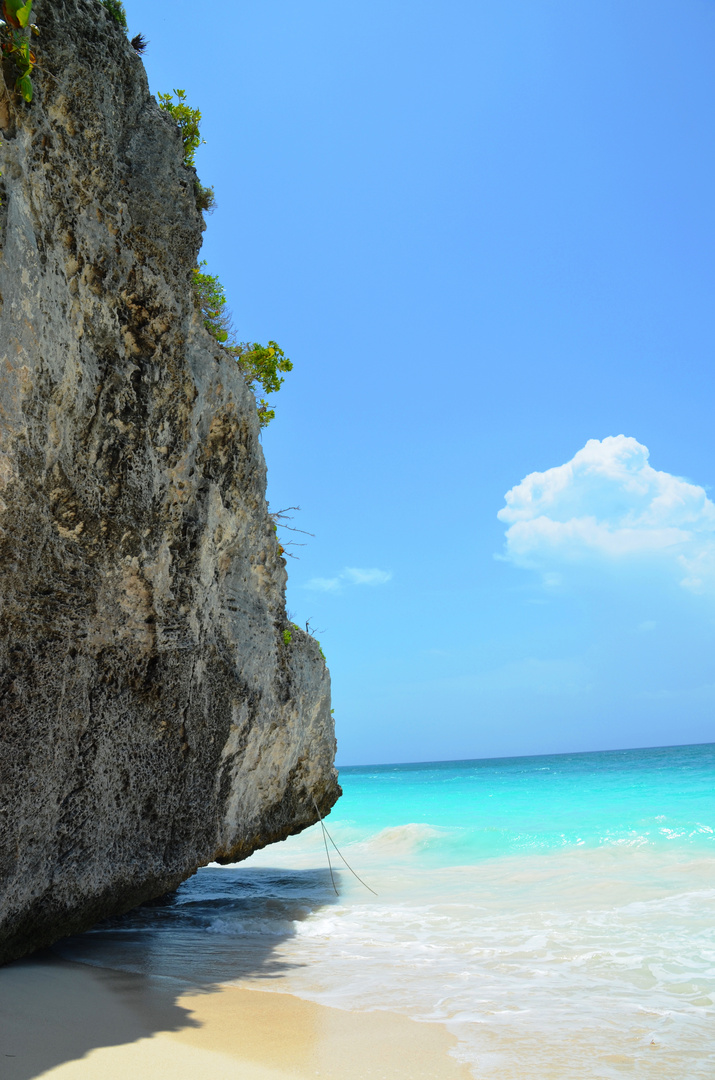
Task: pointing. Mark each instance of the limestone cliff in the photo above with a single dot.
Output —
(151, 716)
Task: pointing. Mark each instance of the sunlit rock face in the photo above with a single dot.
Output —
(152, 717)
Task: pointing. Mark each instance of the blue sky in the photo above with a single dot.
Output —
(485, 235)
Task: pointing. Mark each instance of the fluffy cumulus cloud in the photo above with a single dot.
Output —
(609, 503)
(351, 575)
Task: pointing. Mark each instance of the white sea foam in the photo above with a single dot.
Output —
(577, 963)
(401, 840)
(557, 914)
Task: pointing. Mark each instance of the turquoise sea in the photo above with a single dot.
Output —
(557, 913)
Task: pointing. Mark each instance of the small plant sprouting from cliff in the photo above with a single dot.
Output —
(117, 11)
(18, 49)
(17, 13)
(205, 198)
(16, 44)
(15, 28)
(211, 298)
(187, 120)
(262, 365)
(288, 637)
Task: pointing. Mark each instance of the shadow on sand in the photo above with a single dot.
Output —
(120, 981)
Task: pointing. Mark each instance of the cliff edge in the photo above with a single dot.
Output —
(152, 716)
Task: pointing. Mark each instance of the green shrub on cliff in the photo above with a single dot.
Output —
(15, 30)
(262, 365)
(17, 12)
(188, 121)
(205, 198)
(116, 10)
(211, 298)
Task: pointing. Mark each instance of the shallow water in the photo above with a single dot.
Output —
(558, 913)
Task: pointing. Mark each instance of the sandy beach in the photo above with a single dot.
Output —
(71, 1022)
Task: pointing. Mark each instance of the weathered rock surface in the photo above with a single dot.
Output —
(151, 716)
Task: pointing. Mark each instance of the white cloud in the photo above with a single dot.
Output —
(609, 503)
(366, 577)
(323, 584)
(351, 575)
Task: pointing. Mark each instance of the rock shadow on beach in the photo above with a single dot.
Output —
(121, 981)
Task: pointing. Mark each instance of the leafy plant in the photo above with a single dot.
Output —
(18, 49)
(211, 298)
(287, 637)
(205, 198)
(16, 45)
(15, 27)
(116, 10)
(188, 121)
(17, 13)
(262, 365)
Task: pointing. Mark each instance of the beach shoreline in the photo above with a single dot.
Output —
(68, 1021)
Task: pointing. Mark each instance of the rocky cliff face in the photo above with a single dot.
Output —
(151, 716)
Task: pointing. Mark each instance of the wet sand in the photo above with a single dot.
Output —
(71, 1022)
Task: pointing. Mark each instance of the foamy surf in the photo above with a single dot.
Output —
(557, 914)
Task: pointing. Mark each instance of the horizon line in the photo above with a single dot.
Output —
(518, 757)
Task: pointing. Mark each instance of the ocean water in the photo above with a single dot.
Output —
(557, 913)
